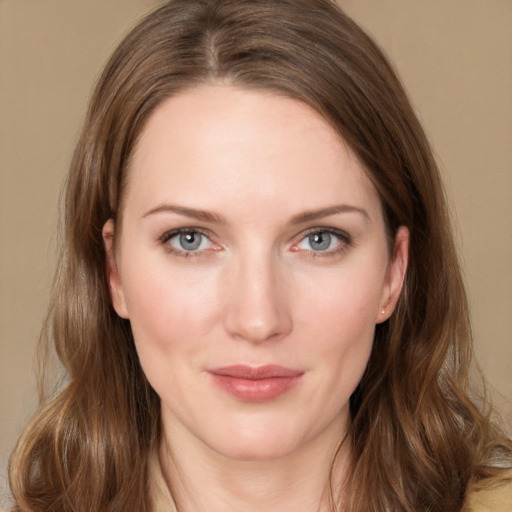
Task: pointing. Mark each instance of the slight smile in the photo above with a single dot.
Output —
(256, 384)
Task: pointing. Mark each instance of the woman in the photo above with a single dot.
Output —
(258, 303)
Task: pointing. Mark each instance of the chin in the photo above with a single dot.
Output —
(255, 440)
(249, 450)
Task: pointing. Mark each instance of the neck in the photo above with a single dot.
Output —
(201, 479)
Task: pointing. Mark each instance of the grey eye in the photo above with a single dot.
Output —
(190, 241)
(320, 241)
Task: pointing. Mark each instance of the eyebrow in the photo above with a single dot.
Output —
(214, 218)
(309, 216)
(202, 215)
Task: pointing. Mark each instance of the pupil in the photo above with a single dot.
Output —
(320, 241)
(190, 241)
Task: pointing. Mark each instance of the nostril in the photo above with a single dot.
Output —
(258, 330)
(258, 321)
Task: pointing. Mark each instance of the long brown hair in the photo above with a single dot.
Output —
(419, 440)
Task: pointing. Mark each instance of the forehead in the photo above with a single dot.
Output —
(226, 146)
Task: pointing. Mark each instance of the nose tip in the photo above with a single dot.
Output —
(258, 310)
(258, 330)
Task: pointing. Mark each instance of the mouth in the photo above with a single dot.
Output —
(256, 384)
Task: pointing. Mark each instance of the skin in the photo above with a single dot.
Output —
(257, 290)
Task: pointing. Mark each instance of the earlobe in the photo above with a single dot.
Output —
(114, 282)
(396, 274)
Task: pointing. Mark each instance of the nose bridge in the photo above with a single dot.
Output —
(257, 308)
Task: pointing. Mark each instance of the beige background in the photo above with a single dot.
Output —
(454, 56)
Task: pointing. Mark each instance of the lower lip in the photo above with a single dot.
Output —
(255, 390)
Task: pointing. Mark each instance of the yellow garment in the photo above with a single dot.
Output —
(497, 499)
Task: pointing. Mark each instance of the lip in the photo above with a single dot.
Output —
(256, 383)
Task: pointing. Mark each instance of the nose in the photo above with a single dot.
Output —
(257, 306)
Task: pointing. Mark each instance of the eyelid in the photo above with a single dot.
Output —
(324, 229)
(345, 241)
(179, 231)
(168, 235)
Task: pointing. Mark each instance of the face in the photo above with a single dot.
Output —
(253, 265)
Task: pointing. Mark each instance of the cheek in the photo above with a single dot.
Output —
(342, 301)
(343, 333)
(170, 309)
(339, 317)
(171, 314)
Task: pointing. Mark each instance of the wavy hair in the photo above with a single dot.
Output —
(419, 436)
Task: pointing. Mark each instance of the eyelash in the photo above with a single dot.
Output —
(344, 241)
(168, 235)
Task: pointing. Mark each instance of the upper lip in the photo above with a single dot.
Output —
(243, 371)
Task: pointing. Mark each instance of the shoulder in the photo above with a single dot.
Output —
(497, 498)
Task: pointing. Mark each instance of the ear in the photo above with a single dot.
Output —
(395, 274)
(114, 282)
